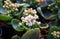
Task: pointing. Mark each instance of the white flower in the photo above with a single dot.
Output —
(8, 4)
(38, 23)
(25, 10)
(34, 11)
(29, 11)
(22, 18)
(33, 22)
(29, 20)
(56, 33)
(36, 16)
(29, 24)
(20, 23)
(4, 6)
(58, 36)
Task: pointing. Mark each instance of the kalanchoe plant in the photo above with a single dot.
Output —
(54, 33)
(30, 17)
(10, 7)
(14, 9)
(28, 20)
(27, 16)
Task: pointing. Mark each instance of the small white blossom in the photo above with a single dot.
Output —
(29, 11)
(36, 17)
(29, 20)
(58, 36)
(22, 18)
(8, 4)
(56, 33)
(20, 23)
(39, 23)
(4, 6)
(29, 24)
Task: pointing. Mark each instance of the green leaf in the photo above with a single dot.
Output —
(3, 11)
(15, 37)
(5, 17)
(44, 26)
(16, 26)
(32, 34)
(59, 14)
(46, 13)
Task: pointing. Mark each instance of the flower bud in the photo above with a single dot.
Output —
(22, 18)
(58, 32)
(20, 23)
(4, 6)
(39, 23)
(58, 36)
(16, 9)
(7, 6)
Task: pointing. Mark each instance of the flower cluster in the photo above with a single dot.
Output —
(56, 33)
(10, 6)
(29, 11)
(30, 19)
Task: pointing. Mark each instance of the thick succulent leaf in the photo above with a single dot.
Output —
(52, 17)
(53, 23)
(23, 4)
(22, 7)
(32, 34)
(46, 14)
(59, 14)
(16, 26)
(19, 1)
(5, 17)
(50, 1)
(58, 3)
(46, 3)
(16, 37)
(3, 11)
(44, 26)
(53, 28)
